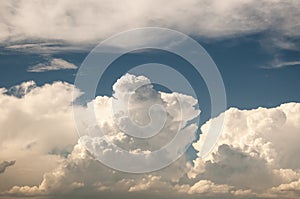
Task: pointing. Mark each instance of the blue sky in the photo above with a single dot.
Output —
(248, 67)
(254, 43)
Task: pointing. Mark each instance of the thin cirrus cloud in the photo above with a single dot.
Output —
(52, 65)
(281, 64)
(285, 64)
(255, 156)
(89, 21)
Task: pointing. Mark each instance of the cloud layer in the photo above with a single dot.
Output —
(92, 20)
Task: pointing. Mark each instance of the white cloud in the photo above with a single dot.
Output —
(205, 186)
(36, 129)
(92, 20)
(289, 190)
(256, 149)
(53, 64)
(256, 154)
(279, 63)
(285, 64)
(132, 103)
(42, 104)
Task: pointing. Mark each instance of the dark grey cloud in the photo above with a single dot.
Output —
(6, 164)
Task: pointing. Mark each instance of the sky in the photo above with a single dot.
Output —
(50, 147)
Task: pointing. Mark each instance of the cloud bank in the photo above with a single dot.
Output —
(255, 156)
(89, 21)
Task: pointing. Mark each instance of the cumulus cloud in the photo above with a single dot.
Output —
(256, 149)
(290, 190)
(255, 156)
(81, 171)
(53, 64)
(36, 129)
(205, 186)
(43, 137)
(139, 109)
(88, 21)
(6, 164)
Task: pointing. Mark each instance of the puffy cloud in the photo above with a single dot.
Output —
(289, 190)
(6, 164)
(38, 112)
(255, 156)
(85, 21)
(204, 186)
(71, 173)
(81, 171)
(36, 129)
(233, 167)
(54, 64)
(56, 181)
(141, 112)
(256, 149)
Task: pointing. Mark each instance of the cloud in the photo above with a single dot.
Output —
(205, 186)
(6, 164)
(279, 63)
(256, 149)
(89, 21)
(34, 122)
(46, 47)
(290, 190)
(286, 64)
(22, 89)
(52, 65)
(139, 110)
(280, 43)
(32, 141)
(255, 156)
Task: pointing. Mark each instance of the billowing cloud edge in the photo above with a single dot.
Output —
(254, 157)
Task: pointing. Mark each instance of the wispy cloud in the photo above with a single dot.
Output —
(285, 64)
(281, 64)
(53, 64)
(46, 47)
